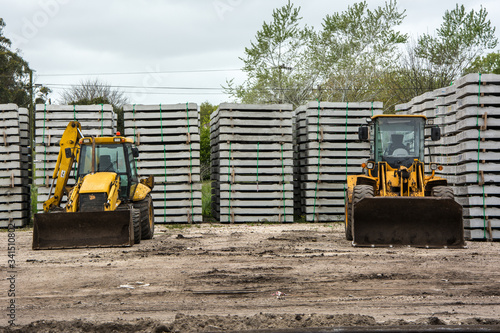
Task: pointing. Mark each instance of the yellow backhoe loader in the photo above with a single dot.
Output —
(395, 202)
(108, 206)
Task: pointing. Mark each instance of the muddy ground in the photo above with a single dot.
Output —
(236, 277)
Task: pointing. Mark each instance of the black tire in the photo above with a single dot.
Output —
(360, 192)
(147, 217)
(445, 192)
(348, 221)
(136, 221)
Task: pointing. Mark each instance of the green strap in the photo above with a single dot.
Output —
(190, 162)
(43, 143)
(229, 181)
(346, 147)
(319, 159)
(135, 127)
(478, 127)
(102, 119)
(165, 168)
(478, 156)
(258, 143)
(283, 174)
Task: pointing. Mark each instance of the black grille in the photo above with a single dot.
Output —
(92, 202)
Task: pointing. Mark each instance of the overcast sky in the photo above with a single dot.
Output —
(169, 43)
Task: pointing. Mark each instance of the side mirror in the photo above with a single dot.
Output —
(435, 133)
(135, 152)
(363, 133)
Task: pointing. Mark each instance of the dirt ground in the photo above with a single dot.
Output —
(241, 277)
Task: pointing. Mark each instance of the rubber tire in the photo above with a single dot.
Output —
(360, 192)
(445, 192)
(348, 220)
(136, 221)
(147, 217)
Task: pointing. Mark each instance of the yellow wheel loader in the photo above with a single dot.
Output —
(395, 202)
(108, 206)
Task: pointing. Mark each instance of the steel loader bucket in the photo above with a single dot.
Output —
(414, 221)
(83, 229)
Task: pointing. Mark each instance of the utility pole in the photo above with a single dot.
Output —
(31, 113)
(31, 135)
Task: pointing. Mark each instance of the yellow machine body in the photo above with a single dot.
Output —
(108, 206)
(395, 202)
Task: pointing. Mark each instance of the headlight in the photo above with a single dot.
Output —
(368, 165)
(435, 166)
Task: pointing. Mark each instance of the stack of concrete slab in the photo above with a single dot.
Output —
(252, 163)
(15, 166)
(50, 123)
(168, 139)
(328, 151)
(468, 113)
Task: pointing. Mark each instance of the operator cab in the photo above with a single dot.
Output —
(111, 157)
(398, 140)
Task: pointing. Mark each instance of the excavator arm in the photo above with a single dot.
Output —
(69, 146)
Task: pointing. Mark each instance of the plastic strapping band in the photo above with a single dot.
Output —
(43, 142)
(258, 143)
(133, 110)
(190, 162)
(478, 156)
(319, 159)
(346, 146)
(229, 181)
(283, 174)
(165, 166)
(102, 119)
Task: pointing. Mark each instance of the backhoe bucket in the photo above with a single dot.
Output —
(413, 221)
(61, 230)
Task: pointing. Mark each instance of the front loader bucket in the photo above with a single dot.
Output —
(83, 229)
(413, 221)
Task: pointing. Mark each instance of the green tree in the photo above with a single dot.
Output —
(344, 61)
(434, 61)
(14, 74)
(42, 95)
(274, 62)
(93, 91)
(461, 38)
(487, 64)
(354, 49)
(206, 110)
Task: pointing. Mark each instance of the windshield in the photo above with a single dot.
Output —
(109, 158)
(399, 141)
